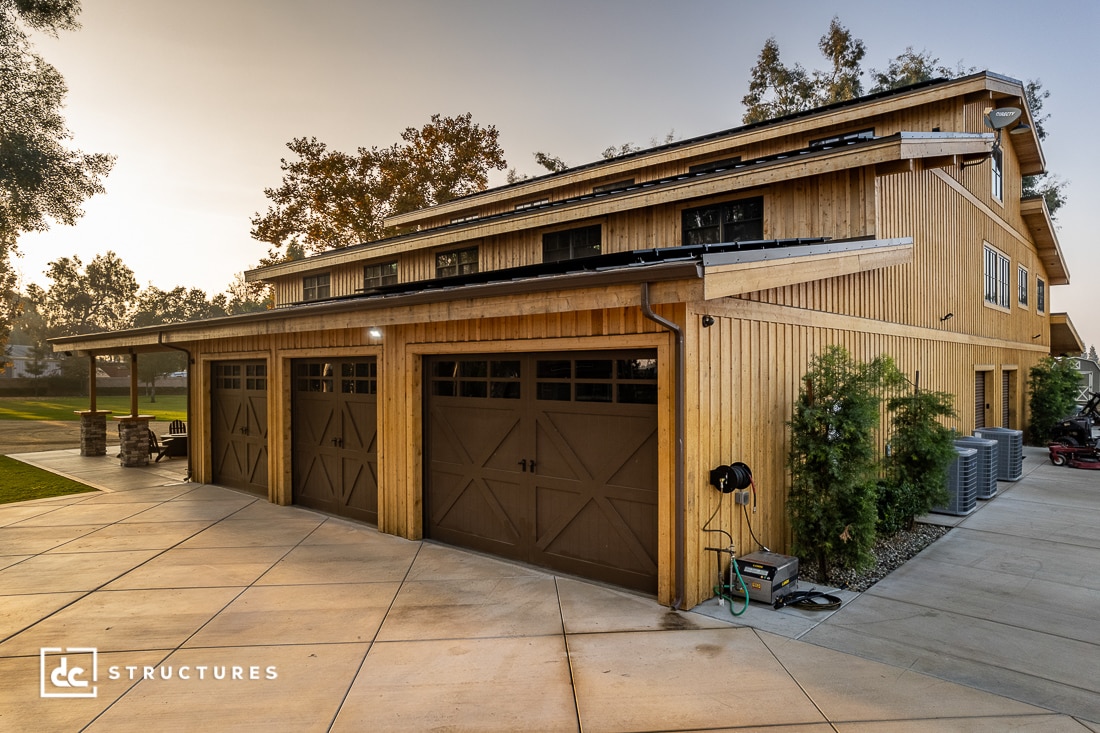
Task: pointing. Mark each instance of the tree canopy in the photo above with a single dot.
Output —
(329, 199)
(776, 89)
(41, 177)
(86, 299)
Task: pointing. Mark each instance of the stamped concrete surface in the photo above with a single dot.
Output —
(212, 609)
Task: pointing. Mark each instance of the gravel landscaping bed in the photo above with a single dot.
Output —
(890, 553)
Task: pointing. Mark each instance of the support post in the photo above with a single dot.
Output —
(133, 385)
(91, 383)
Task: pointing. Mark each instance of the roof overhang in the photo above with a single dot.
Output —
(681, 274)
(907, 149)
(736, 273)
(1037, 217)
(998, 90)
(1064, 339)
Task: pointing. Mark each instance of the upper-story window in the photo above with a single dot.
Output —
(996, 277)
(730, 221)
(1023, 279)
(1040, 295)
(375, 276)
(315, 287)
(998, 160)
(456, 262)
(571, 244)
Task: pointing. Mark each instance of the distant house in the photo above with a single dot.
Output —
(1090, 379)
(20, 357)
(549, 370)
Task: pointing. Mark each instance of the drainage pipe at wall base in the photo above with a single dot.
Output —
(678, 336)
(187, 402)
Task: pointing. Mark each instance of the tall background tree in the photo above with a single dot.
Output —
(329, 199)
(42, 179)
(154, 307)
(776, 89)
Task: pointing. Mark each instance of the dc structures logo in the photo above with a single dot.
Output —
(68, 672)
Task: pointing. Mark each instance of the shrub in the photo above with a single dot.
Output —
(1053, 385)
(832, 503)
(921, 451)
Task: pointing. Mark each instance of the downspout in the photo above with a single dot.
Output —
(680, 389)
(187, 404)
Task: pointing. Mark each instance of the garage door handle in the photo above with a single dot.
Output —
(338, 442)
(532, 465)
(523, 464)
(244, 431)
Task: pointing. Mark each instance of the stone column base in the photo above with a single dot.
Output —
(133, 438)
(93, 432)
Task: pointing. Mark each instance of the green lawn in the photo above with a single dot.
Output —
(167, 407)
(20, 482)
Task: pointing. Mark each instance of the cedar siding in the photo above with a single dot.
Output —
(870, 243)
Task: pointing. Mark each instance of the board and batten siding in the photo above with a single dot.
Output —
(745, 372)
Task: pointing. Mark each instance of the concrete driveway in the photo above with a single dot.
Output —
(199, 607)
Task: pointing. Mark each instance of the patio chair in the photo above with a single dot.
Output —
(177, 427)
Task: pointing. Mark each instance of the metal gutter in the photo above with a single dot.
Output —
(680, 500)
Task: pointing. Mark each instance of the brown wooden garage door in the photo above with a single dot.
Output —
(334, 436)
(238, 425)
(549, 459)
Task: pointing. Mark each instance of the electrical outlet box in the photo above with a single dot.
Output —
(741, 497)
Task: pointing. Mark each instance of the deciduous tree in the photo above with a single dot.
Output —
(911, 67)
(82, 299)
(329, 199)
(844, 53)
(41, 177)
(776, 89)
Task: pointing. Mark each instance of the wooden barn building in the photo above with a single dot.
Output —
(548, 371)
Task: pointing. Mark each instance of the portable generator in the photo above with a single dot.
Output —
(768, 575)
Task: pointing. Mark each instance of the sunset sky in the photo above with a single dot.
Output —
(198, 98)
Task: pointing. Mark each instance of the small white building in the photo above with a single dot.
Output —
(17, 358)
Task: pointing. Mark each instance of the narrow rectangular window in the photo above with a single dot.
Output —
(375, 276)
(996, 270)
(456, 262)
(1040, 295)
(571, 244)
(315, 287)
(1022, 280)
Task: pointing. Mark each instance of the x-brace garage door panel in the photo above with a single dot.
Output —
(548, 459)
(334, 436)
(238, 424)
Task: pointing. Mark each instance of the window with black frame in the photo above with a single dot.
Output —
(375, 276)
(456, 262)
(315, 287)
(571, 244)
(730, 221)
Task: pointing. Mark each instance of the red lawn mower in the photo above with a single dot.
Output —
(1074, 439)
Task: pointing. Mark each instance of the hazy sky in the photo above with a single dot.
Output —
(198, 98)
